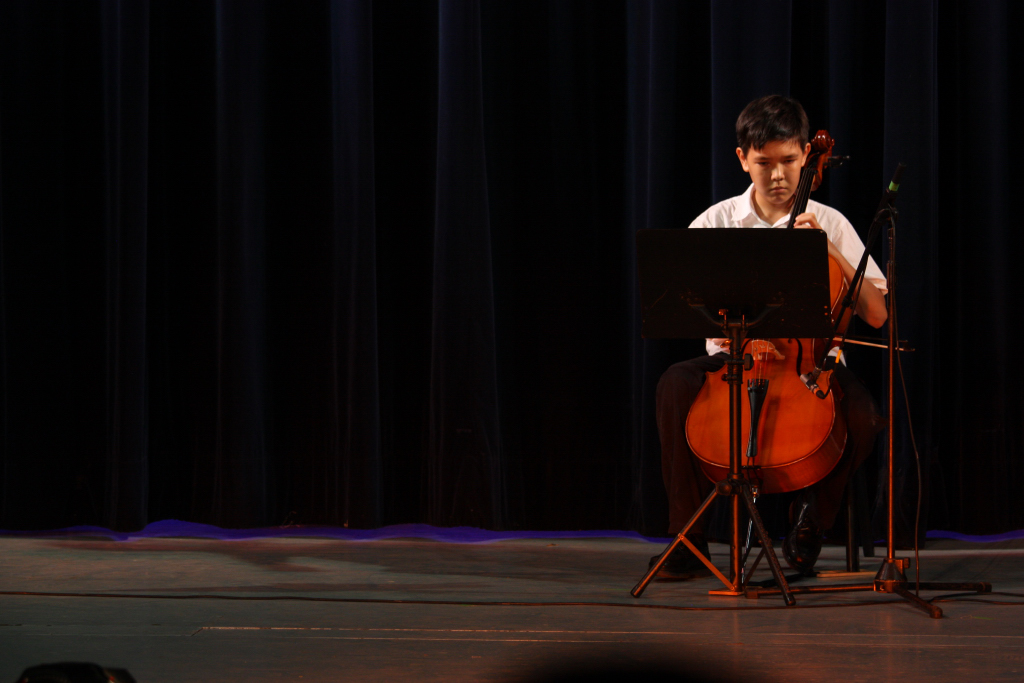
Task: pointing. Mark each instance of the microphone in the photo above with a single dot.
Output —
(810, 379)
(889, 196)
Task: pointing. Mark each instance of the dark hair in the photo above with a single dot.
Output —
(773, 118)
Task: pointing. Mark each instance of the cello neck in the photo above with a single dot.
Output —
(811, 173)
(803, 193)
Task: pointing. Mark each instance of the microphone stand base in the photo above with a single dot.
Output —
(890, 576)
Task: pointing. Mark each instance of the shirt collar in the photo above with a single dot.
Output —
(745, 209)
(746, 216)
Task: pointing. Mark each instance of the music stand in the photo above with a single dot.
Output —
(775, 282)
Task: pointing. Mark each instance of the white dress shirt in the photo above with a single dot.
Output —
(738, 212)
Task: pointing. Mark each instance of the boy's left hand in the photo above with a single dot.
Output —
(810, 221)
(807, 220)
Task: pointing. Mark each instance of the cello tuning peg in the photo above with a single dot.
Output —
(837, 160)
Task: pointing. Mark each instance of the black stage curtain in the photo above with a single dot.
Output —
(361, 263)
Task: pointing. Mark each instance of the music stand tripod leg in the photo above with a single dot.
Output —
(766, 545)
(638, 589)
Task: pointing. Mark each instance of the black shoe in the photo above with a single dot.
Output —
(803, 544)
(682, 564)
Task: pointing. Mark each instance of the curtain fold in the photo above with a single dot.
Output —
(465, 472)
(52, 108)
(750, 57)
(974, 413)
(126, 126)
(237, 465)
(554, 116)
(653, 118)
(352, 480)
(5, 458)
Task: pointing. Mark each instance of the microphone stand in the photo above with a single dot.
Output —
(890, 577)
(886, 208)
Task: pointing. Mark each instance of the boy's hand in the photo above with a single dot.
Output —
(810, 221)
(807, 220)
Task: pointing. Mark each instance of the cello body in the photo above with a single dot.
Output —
(800, 436)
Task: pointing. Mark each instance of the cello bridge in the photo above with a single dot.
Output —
(764, 350)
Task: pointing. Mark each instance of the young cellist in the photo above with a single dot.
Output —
(772, 139)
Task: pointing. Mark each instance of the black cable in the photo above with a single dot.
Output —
(990, 602)
(952, 597)
(917, 463)
(475, 603)
(973, 597)
(913, 441)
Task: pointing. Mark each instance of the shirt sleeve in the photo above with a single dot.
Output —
(851, 247)
(702, 221)
(846, 239)
(712, 347)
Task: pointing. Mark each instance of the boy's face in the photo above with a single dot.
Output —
(775, 170)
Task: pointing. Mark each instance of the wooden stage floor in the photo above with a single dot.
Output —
(309, 609)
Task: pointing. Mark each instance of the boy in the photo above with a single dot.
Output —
(772, 134)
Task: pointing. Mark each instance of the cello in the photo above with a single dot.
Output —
(800, 434)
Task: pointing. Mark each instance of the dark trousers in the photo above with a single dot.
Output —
(687, 485)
